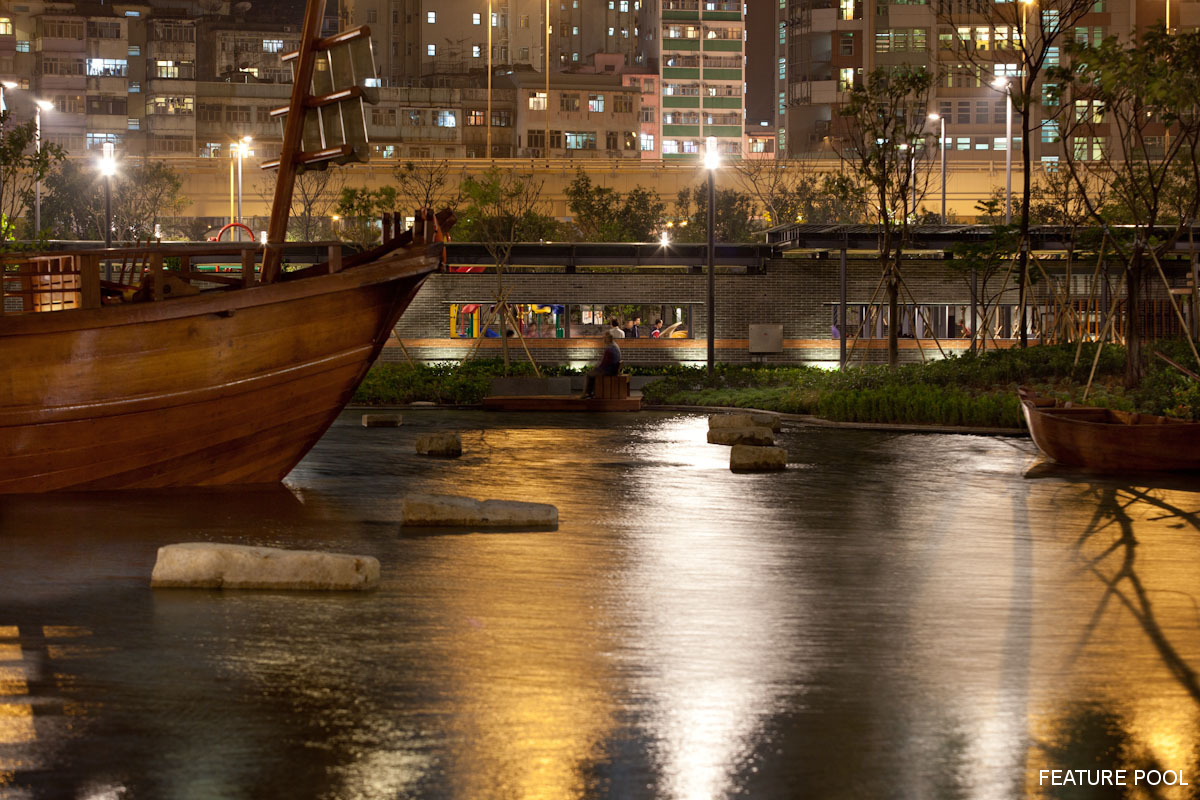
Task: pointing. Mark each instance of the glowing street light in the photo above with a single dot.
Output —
(712, 160)
(108, 168)
(242, 148)
(1002, 84)
(935, 117)
(42, 105)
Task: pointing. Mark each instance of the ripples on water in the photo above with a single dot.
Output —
(895, 616)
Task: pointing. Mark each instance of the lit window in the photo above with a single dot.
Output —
(272, 45)
(6, 26)
(476, 19)
(134, 124)
(537, 101)
(647, 142)
(431, 17)
(135, 50)
(595, 103)
(431, 49)
(446, 119)
(476, 51)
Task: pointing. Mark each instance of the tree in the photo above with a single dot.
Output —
(503, 208)
(884, 135)
(361, 211)
(426, 184)
(1148, 93)
(145, 194)
(314, 201)
(20, 168)
(734, 215)
(1033, 42)
(605, 215)
(789, 193)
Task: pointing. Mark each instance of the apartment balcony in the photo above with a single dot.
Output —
(171, 124)
(56, 44)
(824, 91)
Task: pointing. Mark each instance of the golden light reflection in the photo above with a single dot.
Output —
(12, 681)
(16, 723)
(10, 652)
(707, 616)
(1134, 643)
(64, 631)
(9, 632)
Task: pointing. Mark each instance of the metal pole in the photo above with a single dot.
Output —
(546, 144)
(37, 189)
(974, 308)
(241, 149)
(943, 138)
(1008, 158)
(842, 326)
(712, 283)
(489, 82)
(107, 211)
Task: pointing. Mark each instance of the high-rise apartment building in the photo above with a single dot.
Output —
(697, 47)
(825, 46)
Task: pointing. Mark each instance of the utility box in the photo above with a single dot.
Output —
(766, 338)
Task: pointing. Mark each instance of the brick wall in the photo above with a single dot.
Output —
(794, 292)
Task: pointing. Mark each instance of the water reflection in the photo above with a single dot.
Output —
(893, 616)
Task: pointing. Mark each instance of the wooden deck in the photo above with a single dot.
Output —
(560, 402)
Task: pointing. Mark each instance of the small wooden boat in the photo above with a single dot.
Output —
(202, 378)
(1107, 440)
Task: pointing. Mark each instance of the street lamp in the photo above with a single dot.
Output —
(108, 168)
(42, 105)
(936, 117)
(243, 149)
(1002, 83)
(712, 160)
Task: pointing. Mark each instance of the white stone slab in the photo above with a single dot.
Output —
(748, 458)
(206, 565)
(434, 510)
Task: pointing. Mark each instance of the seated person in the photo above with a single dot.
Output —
(615, 329)
(610, 364)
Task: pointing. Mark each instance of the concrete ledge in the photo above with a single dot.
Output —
(382, 420)
(436, 510)
(747, 419)
(204, 565)
(748, 458)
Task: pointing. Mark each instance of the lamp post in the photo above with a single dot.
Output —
(1002, 83)
(712, 160)
(942, 146)
(42, 105)
(108, 167)
(243, 150)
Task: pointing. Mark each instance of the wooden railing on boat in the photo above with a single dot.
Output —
(59, 281)
(95, 277)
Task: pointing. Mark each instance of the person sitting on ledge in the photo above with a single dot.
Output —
(610, 364)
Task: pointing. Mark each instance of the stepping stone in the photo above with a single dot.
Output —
(447, 444)
(205, 565)
(748, 458)
(748, 419)
(382, 420)
(433, 510)
(755, 435)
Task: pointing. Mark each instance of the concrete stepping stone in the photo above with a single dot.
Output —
(747, 419)
(446, 444)
(206, 565)
(755, 435)
(435, 510)
(382, 420)
(748, 458)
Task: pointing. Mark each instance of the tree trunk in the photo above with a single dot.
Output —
(501, 314)
(893, 294)
(1133, 326)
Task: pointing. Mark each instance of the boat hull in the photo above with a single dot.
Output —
(1096, 439)
(221, 388)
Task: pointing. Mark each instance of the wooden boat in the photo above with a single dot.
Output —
(198, 378)
(1107, 440)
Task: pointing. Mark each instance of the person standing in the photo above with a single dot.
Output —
(633, 328)
(656, 331)
(615, 329)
